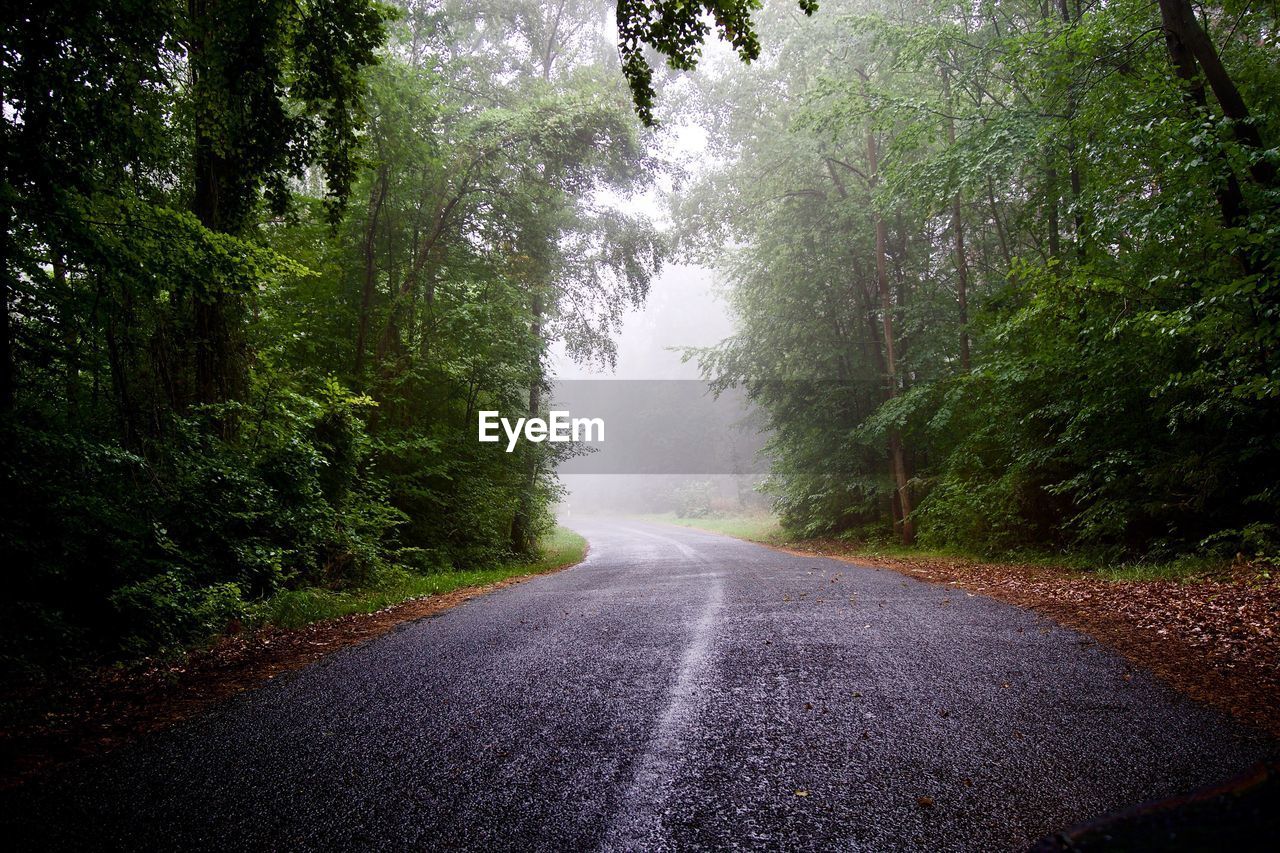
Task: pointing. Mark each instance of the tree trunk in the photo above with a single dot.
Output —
(119, 382)
(8, 374)
(376, 197)
(215, 314)
(957, 230)
(1229, 195)
(995, 218)
(962, 284)
(69, 328)
(423, 255)
(1073, 163)
(523, 538)
(1179, 19)
(897, 455)
(1051, 203)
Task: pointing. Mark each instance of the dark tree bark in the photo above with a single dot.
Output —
(377, 195)
(8, 377)
(215, 315)
(1229, 195)
(423, 256)
(957, 231)
(1051, 206)
(523, 534)
(69, 328)
(1180, 23)
(962, 284)
(995, 218)
(897, 455)
(1073, 163)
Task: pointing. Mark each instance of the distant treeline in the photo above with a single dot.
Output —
(1031, 250)
(262, 263)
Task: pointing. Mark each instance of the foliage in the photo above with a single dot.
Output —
(293, 608)
(263, 263)
(1080, 257)
(677, 30)
(693, 499)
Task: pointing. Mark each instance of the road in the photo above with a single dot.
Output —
(678, 690)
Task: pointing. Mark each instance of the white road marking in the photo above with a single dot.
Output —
(636, 823)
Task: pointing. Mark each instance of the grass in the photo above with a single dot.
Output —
(767, 529)
(1184, 569)
(296, 608)
(1188, 569)
(758, 528)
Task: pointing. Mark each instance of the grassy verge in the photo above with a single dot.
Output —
(296, 608)
(767, 529)
(1186, 569)
(757, 528)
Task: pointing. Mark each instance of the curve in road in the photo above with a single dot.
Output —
(677, 690)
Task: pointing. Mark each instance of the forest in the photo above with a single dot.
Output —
(263, 263)
(1004, 272)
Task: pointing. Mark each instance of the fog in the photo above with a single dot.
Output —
(670, 444)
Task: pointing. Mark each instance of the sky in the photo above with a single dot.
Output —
(682, 310)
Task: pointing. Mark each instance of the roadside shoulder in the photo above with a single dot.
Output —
(112, 706)
(1217, 640)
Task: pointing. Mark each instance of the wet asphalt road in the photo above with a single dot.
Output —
(678, 690)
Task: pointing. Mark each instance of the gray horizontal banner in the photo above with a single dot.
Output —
(663, 426)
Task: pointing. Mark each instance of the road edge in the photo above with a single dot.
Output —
(1239, 691)
(118, 707)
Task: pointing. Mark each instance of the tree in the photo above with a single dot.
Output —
(677, 31)
(225, 386)
(1083, 355)
(275, 87)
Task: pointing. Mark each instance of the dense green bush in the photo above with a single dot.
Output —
(114, 551)
(693, 499)
(254, 295)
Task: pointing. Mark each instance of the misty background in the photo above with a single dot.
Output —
(671, 444)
